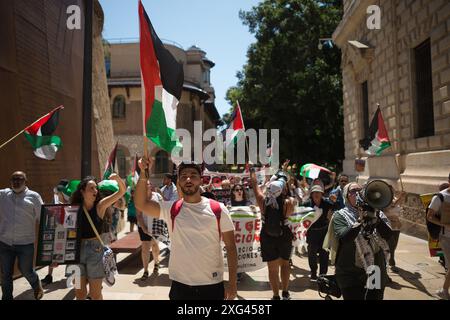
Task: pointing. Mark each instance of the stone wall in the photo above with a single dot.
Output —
(103, 135)
(415, 164)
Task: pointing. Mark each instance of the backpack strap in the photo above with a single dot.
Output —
(175, 210)
(217, 210)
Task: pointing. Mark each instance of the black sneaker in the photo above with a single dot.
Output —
(156, 268)
(313, 277)
(286, 295)
(144, 276)
(47, 280)
(276, 298)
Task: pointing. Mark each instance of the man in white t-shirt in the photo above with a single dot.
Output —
(437, 206)
(196, 226)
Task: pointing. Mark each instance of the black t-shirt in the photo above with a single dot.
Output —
(242, 203)
(86, 230)
(326, 206)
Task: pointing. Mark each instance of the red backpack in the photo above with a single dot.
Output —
(215, 207)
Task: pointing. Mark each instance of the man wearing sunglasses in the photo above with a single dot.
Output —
(20, 210)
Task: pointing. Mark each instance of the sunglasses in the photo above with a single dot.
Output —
(18, 179)
(354, 191)
(236, 190)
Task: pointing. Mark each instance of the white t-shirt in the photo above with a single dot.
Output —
(435, 205)
(196, 255)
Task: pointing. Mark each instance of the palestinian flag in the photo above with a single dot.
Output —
(162, 84)
(40, 135)
(377, 139)
(312, 171)
(237, 125)
(110, 164)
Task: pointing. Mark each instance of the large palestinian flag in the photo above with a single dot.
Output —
(162, 84)
(377, 139)
(40, 135)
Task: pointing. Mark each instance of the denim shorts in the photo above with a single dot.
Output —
(91, 259)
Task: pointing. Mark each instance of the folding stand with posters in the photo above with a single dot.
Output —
(59, 235)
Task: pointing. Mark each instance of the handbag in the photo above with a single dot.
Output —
(109, 263)
(328, 286)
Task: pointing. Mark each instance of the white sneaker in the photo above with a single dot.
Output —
(443, 294)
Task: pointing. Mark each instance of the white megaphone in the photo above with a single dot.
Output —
(378, 194)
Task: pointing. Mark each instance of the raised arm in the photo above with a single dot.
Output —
(141, 201)
(110, 200)
(259, 196)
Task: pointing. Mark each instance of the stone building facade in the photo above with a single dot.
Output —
(405, 67)
(124, 82)
(41, 67)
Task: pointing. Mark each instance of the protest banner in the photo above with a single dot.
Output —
(300, 221)
(222, 195)
(247, 223)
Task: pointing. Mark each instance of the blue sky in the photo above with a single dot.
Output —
(212, 25)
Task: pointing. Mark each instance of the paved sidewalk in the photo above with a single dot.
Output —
(418, 278)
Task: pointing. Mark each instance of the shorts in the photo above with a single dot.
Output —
(180, 291)
(444, 241)
(132, 219)
(273, 248)
(91, 259)
(144, 236)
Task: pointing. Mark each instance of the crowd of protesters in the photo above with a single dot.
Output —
(337, 237)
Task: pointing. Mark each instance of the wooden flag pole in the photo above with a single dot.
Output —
(147, 173)
(4, 144)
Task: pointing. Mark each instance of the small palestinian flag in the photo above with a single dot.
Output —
(162, 84)
(40, 135)
(110, 164)
(237, 125)
(377, 139)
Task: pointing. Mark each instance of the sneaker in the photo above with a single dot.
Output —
(144, 276)
(443, 294)
(313, 277)
(47, 280)
(156, 268)
(38, 292)
(286, 295)
(276, 298)
(239, 277)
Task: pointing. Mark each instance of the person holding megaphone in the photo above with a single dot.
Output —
(357, 238)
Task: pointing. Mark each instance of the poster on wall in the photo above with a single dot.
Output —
(59, 237)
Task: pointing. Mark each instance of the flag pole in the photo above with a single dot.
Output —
(23, 130)
(4, 144)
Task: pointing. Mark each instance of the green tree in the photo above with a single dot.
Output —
(289, 83)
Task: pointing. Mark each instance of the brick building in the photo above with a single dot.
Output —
(405, 67)
(41, 67)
